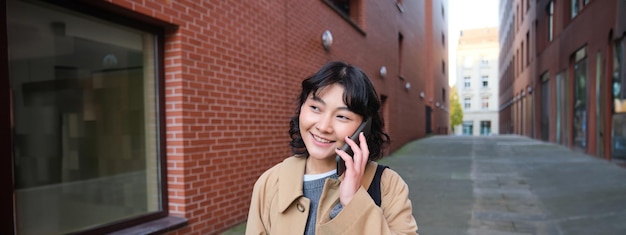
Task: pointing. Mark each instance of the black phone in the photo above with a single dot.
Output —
(365, 127)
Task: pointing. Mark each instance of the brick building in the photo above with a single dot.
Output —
(141, 116)
(562, 71)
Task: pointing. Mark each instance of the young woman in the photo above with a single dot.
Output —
(303, 194)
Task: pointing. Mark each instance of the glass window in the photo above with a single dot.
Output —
(619, 78)
(468, 128)
(528, 48)
(443, 12)
(580, 99)
(545, 106)
(618, 122)
(485, 80)
(485, 127)
(575, 8)
(351, 9)
(550, 20)
(467, 82)
(86, 131)
(467, 103)
(443, 39)
(485, 102)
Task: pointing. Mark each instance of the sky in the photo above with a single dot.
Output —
(467, 14)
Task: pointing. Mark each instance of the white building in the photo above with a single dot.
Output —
(477, 81)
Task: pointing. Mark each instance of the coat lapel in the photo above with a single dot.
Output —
(290, 181)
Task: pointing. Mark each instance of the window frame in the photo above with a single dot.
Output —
(150, 222)
(483, 124)
(485, 102)
(550, 11)
(356, 19)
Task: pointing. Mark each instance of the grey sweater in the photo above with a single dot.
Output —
(313, 190)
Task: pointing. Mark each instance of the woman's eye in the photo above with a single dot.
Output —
(315, 108)
(343, 117)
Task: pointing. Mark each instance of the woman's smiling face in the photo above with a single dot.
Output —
(325, 121)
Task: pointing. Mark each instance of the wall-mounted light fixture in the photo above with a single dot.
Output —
(422, 95)
(383, 71)
(407, 86)
(436, 104)
(327, 40)
(530, 90)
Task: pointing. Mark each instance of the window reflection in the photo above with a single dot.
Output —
(85, 139)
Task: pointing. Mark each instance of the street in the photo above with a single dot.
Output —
(509, 185)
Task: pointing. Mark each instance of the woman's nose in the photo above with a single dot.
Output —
(324, 124)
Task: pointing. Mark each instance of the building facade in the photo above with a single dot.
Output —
(561, 73)
(477, 81)
(133, 117)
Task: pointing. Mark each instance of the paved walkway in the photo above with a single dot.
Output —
(510, 185)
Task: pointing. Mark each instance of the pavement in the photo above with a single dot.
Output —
(508, 185)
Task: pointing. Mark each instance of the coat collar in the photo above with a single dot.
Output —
(290, 181)
(291, 175)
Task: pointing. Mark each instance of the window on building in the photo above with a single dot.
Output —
(619, 98)
(443, 10)
(619, 77)
(443, 95)
(485, 80)
(527, 48)
(517, 20)
(575, 8)
(514, 24)
(443, 39)
(400, 54)
(521, 60)
(485, 102)
(443, 67)
(468, 128)
(485, 127)
(484, 62)
(467, 82)
(87, 148)
(467, 103)
(350, 10)
(580, 98)
(550, 11)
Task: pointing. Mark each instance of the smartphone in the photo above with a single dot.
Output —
(365, 127)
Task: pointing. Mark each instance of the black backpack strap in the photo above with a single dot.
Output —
(374, 189)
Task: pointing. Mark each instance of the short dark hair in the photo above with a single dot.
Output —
(359, 95)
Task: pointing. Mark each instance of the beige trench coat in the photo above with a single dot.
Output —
(279, 207)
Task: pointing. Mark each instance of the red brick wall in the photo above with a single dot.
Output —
(233, 70)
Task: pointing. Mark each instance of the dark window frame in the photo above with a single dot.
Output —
(550, 13)
(351, 16)
(152, 222)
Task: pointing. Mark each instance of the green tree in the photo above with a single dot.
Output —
(456, 112)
